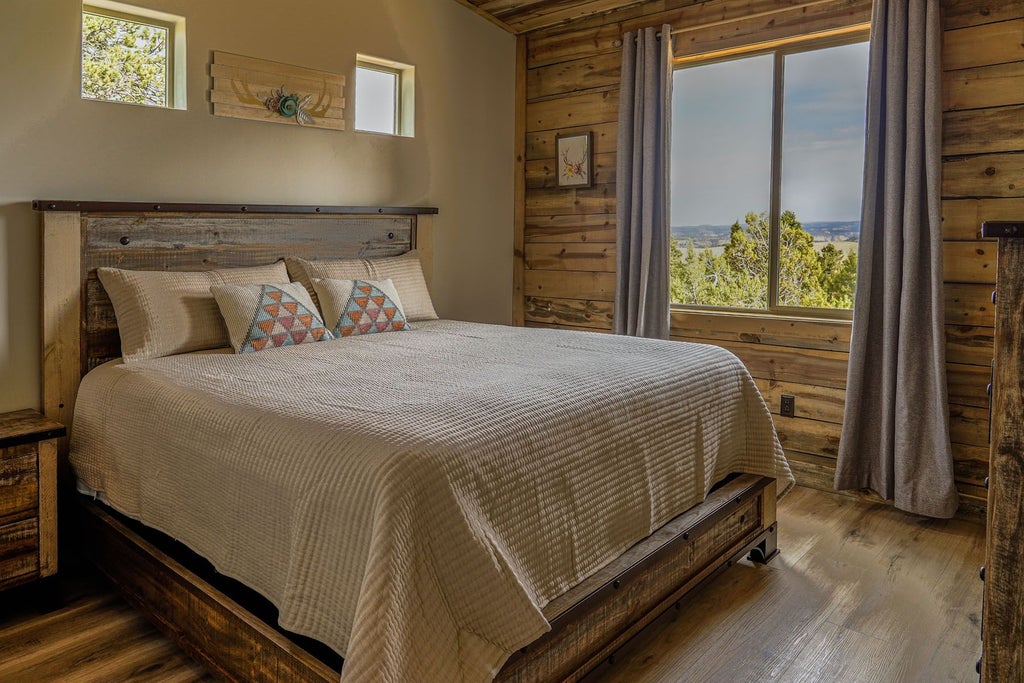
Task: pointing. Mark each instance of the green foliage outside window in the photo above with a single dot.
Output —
(124, 61)
(738, 277)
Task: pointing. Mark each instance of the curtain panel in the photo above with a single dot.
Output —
(642, 194)
(895, 437)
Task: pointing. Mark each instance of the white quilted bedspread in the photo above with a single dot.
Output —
(414, 499)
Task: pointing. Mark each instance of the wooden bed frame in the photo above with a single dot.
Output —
(212, 623)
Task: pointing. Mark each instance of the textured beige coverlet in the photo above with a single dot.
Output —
(415, 499)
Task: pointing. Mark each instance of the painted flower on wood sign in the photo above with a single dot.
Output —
(289, 106)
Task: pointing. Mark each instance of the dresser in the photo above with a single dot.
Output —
(1003, 614)
(28, 497)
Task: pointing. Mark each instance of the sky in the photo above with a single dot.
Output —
(375, 101)
(722, 131)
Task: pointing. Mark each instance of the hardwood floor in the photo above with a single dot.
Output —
(96, 637)
(860, 592)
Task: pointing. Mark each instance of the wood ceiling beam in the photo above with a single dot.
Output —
(489, 17)
(524, 16)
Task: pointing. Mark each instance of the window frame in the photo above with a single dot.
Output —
(404, 93)
(851, 35)
(397, 114)
(175, 84)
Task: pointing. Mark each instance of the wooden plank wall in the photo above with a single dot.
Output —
(568, 248)
(983, 179)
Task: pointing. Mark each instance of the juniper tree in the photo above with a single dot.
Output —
(739, 275)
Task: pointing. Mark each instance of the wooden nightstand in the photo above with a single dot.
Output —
(28, 497)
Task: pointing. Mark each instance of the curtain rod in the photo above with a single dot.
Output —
(618, 43)
(842, 31)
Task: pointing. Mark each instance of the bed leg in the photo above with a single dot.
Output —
(766, 550)
(763, 552)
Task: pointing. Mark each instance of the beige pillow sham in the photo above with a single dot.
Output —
(404, 271)
(161, 313)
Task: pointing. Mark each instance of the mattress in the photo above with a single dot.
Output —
(414, 499)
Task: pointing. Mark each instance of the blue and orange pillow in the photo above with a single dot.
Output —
(357, 307)
(265, 316)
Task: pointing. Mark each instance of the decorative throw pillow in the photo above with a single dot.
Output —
(269, 316)
(161, 313)
(355, 307)
(405, 271)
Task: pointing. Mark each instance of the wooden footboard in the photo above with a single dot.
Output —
(202, 613)
(217, 631)
(591, 621)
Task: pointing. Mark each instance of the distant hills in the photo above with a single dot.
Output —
(717, 235)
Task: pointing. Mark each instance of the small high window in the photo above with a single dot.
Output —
(132, 55)
(384, 96)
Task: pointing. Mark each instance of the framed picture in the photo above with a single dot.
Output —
(575, 162)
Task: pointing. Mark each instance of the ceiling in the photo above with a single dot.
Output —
(521, 16)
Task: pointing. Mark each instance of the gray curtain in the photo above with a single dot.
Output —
(645, 126)
(896, 428)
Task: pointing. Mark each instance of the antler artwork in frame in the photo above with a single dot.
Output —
(575, 160)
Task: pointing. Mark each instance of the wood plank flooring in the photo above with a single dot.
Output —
(861, 592)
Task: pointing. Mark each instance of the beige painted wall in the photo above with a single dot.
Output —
(55, 145)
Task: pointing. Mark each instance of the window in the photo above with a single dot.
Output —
(132, 55)
(767, 166)
(384, 96)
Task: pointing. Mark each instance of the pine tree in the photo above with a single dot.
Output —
(123, 61)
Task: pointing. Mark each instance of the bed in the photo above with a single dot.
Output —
(454, 564)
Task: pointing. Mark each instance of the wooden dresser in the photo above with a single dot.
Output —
(28, 497)
(1002, 658)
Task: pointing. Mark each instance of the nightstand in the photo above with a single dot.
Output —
(28, 497)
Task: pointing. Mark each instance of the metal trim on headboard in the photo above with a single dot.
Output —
(64, 274)
(140, 207)
(1002, 229)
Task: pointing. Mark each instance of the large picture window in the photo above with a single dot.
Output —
(767, 166)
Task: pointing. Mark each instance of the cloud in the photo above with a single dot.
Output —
(721, 152)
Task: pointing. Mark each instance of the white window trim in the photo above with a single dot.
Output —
(405, 92)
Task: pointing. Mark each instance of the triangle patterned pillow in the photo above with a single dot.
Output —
(357, 307)
(262, 317)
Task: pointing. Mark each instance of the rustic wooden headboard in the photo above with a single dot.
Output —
(79, 330)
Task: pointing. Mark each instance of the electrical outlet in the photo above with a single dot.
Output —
(788, 406)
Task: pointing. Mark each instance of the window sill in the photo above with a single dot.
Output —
(377, 133)
(839, 318)
(160, 107)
